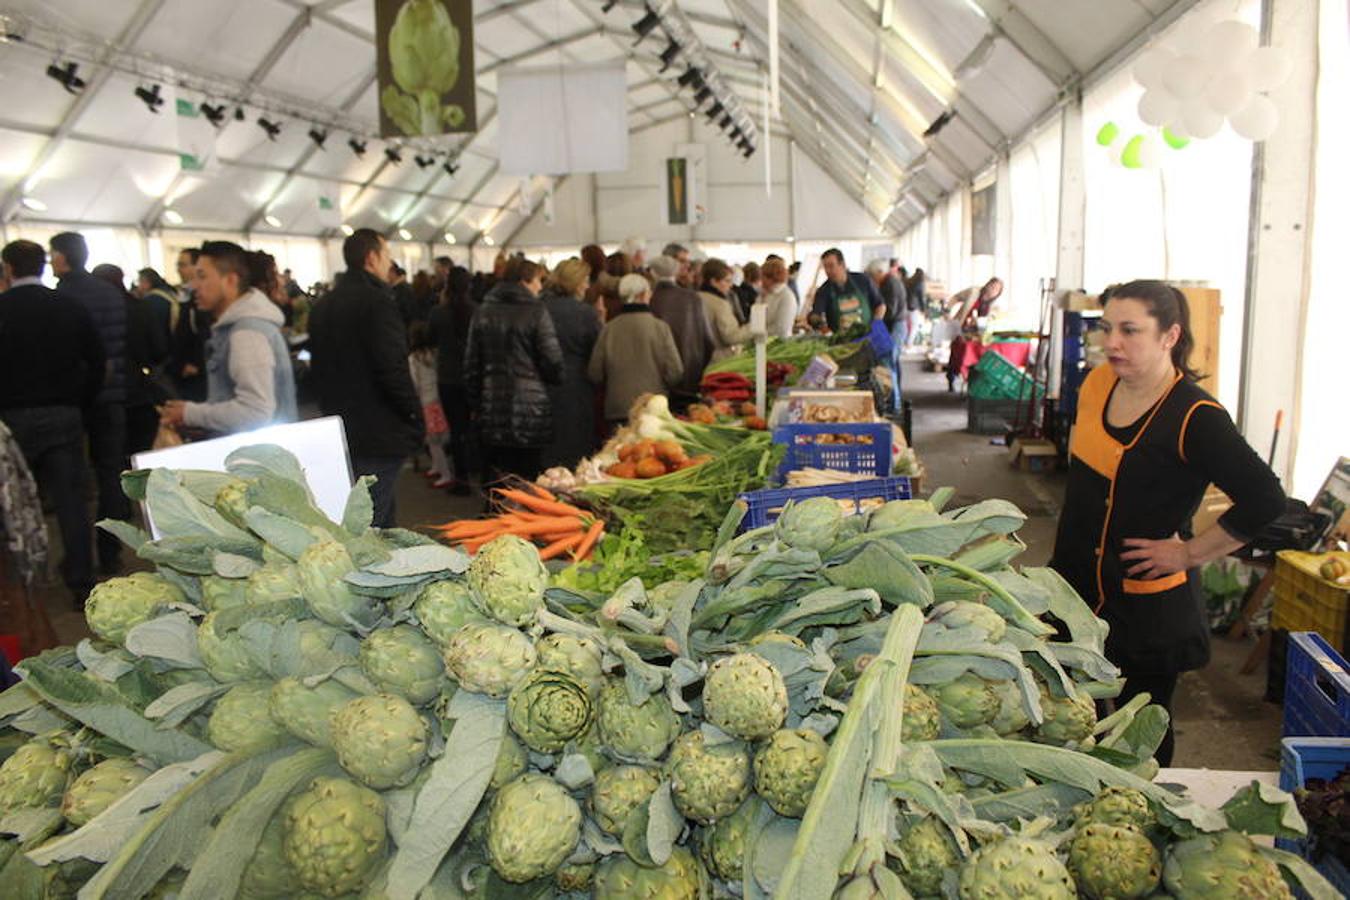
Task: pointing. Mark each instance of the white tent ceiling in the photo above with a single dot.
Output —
(861, 80)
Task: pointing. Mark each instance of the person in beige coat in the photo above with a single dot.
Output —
(636, 353)
(728, 333)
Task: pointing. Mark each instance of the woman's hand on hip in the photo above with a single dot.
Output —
(1154, 559)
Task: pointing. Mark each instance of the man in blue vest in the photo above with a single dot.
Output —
(249, 378)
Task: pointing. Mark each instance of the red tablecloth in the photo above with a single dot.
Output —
(966, 352)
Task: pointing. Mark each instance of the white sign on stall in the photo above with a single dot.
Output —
(319, 444)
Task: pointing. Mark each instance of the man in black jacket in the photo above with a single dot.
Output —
(106, 419)
(51, 367)
(360, 368)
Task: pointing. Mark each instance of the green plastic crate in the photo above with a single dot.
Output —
(994, 378)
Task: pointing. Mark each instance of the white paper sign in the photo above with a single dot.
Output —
(319, 444)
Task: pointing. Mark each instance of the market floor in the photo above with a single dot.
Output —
(1222, 720)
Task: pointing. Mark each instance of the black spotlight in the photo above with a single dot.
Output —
(736, 135)
(358, 147)
(725, 123)
(239, 114)
(940, 123)
(392, 154)
(691, 78)
(609, 4)
(748, 151)
(318, 136)
(715, 110)
(214, 114)
(703, 94)
(151, 97)
(424, 162)
(450, 168)
(271, 128)
(668, 56)
(67, 77)
(645, 25)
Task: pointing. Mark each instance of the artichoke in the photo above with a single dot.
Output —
(306, 711)
(273, 583)
(487, 658)
(926, 851)
(512, 761)
(1114, 862)
(721, 845)
(118, 605)
(380, 739)
(35, 775)
(548, 709)
(508, 580)
(1224, 865)
(577, 656)
(632, 732)
(744, 695)
(225, 653)
(1012, 715)
(967, 702)
(1067, 719)
(708, 782)
(323, 565)
(681, 878)
(533, 827)
(334, 836)
(223, 593)
(98, 788)
(269, 875)
(574, 877)
(424, 48)
(232, 503)
(617, 792)
(786, 769)
(922, 719)
(1119, 806)
(400, 660)
(961, 613)
(444, 608)
(242, 720)
(1014, 868)
(810, 524)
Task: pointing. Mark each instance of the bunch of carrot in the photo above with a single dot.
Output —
(533, 513)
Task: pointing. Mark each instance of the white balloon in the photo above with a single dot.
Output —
(1148, 69)
(1257, 120)
(1227, 41)
(1229, 92)
(1157, 106)
(1186, 77)
(1201, 121)
(1151, 153)
(1187, 36)
(1270, 68)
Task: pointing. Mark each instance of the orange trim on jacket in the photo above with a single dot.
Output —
(1185, 423)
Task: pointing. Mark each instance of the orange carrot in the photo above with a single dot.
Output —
(560, 546)
(470, 526)
(540, 505)
(543, 492)
(592, 535)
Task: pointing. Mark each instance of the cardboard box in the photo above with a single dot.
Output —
(828, 407)
(1077, 301)
(1034, 454)
(1214, 504)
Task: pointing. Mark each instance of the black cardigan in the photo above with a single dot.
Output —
(1150, 488)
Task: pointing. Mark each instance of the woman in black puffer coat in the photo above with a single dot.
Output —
(511, 357)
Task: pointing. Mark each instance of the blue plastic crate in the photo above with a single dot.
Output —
(1302, 758)
(869, 454)
(764, 506)
(1316, 688)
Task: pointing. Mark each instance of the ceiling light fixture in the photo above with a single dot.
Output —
(151, 97)
(405, 234)
(272, 220)
(272, 129)
(703, 94)
(609, 4)
(173, 217)
(318, 136)
(424, 162)
(939, 123)
(725, 123)
(347, 229)
(645, 25)
(239, 114)
(668, 56)
(790, 239)
(392, 154)
(715, 110)
(213, 114)
(449, 237)
(450, 168)
(66, 76)
(358, 147)
(34, 204)
(487, 239)
(691, 78)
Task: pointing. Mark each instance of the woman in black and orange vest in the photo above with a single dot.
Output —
(1146, 443)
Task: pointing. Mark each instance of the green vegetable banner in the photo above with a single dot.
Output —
(425, 67)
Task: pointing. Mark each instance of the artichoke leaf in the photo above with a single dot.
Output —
(171, 637)
(177, 512)
(359, 511)
(887, 569)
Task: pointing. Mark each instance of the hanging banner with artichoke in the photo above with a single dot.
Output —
(425, 67)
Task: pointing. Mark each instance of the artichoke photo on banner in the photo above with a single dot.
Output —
(425, 67)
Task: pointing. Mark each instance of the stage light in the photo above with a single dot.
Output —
(271, 128)
(646, 25)
(358, 147)
(150, 97)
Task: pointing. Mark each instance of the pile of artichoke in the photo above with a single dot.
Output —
(870, 706)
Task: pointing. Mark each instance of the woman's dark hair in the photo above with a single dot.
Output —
(419, 336)
(1168, 307)
(157, 282)
(714, 269)
(594, 255)
(262, 273)
(111, 274)
(458, 284)
(421, 285)
(520, 270)
(618, 264)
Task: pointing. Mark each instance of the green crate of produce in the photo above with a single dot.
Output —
(994, 378)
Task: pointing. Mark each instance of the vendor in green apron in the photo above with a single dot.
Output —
(846, 298)
(1146, 442)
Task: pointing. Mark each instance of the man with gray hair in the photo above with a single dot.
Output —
(680, 254)
(682, 309)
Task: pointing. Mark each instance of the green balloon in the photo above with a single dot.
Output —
(1175, 141)
(1129, 157)
(1107, 134)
